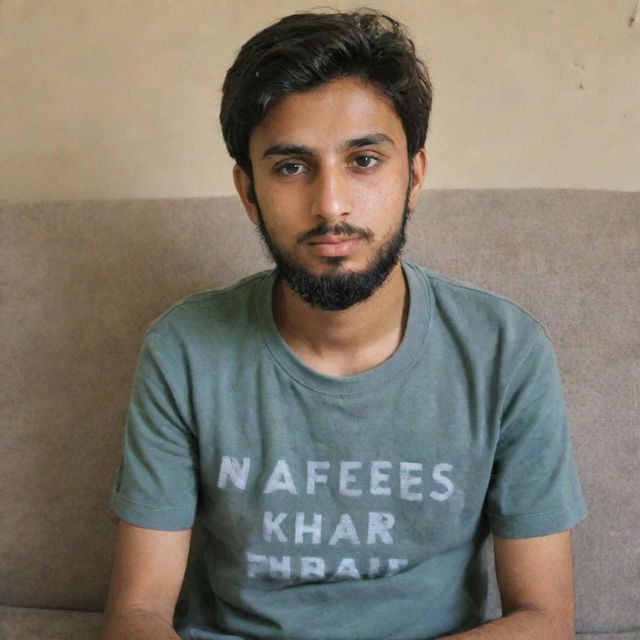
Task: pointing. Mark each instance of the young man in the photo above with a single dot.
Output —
(346, 430)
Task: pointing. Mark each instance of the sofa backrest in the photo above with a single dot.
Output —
(82, 279)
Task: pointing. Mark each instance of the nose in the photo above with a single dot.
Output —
(331, 198)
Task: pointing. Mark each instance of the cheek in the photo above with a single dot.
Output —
(281, 215)
(279, 202)
(388, 188)
(384, 203)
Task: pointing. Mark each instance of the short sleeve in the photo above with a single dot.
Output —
(156, 486)
(534, 488)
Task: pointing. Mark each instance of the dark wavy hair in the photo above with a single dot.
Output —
(305, 50)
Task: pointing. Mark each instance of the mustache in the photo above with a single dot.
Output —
(340, 229)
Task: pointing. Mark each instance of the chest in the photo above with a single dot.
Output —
(295, 477)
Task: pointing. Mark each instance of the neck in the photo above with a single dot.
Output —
(344, 342)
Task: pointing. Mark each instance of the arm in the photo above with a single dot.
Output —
(147, 575)
(535, 577)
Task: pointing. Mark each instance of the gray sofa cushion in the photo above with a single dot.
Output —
(82, 279)
(17, 623)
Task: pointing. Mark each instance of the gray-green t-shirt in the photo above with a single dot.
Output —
(345, 508)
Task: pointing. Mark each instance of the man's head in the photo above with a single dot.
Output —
(326, 117)
(305, 50)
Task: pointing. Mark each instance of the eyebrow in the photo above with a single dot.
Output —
(301, 150)
(287, 150)
(370, 139)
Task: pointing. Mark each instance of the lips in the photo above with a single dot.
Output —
(332, 246)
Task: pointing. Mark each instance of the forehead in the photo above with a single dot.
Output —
(326, 117)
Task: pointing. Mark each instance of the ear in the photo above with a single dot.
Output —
(418, 169)
(244, 187)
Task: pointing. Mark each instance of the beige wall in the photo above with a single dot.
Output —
(119, 98)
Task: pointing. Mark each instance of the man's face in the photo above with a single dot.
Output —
(332, 189)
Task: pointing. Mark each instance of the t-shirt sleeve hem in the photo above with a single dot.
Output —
(151, 517)
(535, 525)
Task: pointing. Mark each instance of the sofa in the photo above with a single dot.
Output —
(82, 279)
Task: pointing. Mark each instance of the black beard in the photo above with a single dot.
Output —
(336, 292)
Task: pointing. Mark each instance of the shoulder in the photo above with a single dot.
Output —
(468, 302)
(207, 313)
(479, 322)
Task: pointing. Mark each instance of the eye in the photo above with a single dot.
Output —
(365, 162)
(291, 168)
